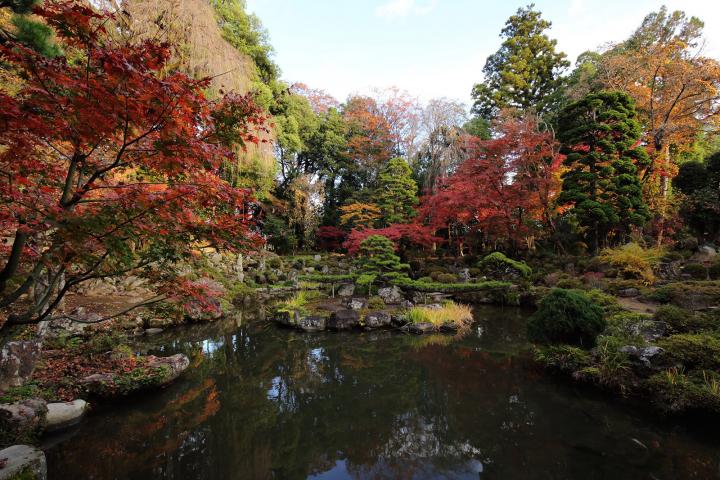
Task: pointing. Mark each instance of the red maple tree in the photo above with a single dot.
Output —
(503, 191)
(110, 164)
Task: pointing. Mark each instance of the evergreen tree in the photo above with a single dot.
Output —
(700, 183)
(397, 192)
(377, 261)
(600, 136)
(26, 30)
(525, 72)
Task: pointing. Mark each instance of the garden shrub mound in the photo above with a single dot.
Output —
(568, 317)
(497, 266)
(632, 261)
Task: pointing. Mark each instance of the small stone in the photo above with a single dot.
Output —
(407, 304)
(317, 258)
(312, 323)
(449, 327)
(343, 320)
(391, 295)
(422, 327)
(17, 362)
(346, 290)
(65, 414)
(22, 461)
(23, 421)
(377, 320)
(153, 331)
(628, 292)
(358, 303)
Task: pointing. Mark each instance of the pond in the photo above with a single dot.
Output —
(259, 402)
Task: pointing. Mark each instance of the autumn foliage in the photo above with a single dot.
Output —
(504, 191)
(108, 166)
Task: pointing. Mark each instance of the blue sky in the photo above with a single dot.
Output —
(436, 48)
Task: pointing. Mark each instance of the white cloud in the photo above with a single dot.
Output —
(404, 8)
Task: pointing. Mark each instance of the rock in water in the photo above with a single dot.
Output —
(391, 295)
(343, 320)
(159, 372)
(22, 462)
(422, 327)
(17, 362)
(377, 320)
(312, 324)
(65, 414)
(23, 421)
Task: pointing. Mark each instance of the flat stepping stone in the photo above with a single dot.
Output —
(22, 462)
(65, 414)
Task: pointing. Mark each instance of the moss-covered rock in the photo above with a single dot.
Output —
(154, 372)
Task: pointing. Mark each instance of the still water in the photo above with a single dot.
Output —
(260, 402)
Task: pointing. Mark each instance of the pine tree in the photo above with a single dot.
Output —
(397, 192)
(525, 72)
(377, 261)
(600, 136)
(26, 30)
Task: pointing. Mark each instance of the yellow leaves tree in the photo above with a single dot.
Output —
(676, 89)
(360, 215)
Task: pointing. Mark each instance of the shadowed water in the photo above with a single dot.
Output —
(265, 403)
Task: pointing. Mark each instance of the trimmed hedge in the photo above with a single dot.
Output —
(566, 317)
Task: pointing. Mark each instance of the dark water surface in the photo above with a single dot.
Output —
(265, 403)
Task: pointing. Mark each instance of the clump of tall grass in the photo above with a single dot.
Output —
(298, 302)
(634, 261)
(449, 312)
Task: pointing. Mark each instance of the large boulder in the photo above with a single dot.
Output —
(22, 462)
(22, 422)
(644, 356)
(377, 320)
(343, 320)
(346, 290)
(312, 323)
(17, 362)
(65, 414)
(157, 372)
(286, 318)
(391, 295)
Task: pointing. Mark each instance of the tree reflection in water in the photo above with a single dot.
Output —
(264, 403)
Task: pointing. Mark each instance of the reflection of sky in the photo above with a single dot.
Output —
(210, 346)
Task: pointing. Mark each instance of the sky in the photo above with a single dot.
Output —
(436, 48)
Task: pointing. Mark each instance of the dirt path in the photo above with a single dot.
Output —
(635, 305)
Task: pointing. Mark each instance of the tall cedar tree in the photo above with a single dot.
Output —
(525, 72)
(397, 192)
(600, 136)
(111, 168)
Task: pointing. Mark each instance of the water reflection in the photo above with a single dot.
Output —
(263, 403)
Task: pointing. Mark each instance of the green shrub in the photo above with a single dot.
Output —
(696, 271)
(425, 279)
(274, 262)
(376, 303)
(677, 392)
(714, 270)
(422, 286)
(566, 316)
(672, 256)
(447, 278)
(568, 282)
(625, 327)
(693, 350)
(497, 265)
(680, 320)
(608, 303)
(564, 358)
(690, 294)
(633, 261)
